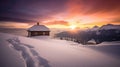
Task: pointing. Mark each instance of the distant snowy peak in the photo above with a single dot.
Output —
(95, 28)
(110, 26)
(105, 27)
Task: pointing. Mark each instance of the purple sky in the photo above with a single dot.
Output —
(68, 11)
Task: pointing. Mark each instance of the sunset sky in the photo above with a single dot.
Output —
(59, 13)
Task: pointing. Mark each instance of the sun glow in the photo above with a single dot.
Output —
(72, 27)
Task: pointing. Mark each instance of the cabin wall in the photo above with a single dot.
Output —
(29, 33)
(38, 33)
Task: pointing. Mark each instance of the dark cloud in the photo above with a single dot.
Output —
(30, 9)
(15, 19)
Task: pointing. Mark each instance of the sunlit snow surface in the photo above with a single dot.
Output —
(47, 52)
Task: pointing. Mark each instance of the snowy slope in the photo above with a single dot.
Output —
(46, 52)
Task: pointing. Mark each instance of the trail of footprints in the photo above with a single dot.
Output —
(30, 56)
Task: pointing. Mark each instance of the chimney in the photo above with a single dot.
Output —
(37, 23)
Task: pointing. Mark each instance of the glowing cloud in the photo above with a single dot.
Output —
(14, 25)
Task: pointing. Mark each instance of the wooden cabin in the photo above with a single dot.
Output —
(38, 30)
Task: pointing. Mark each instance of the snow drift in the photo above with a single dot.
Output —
(46, 52)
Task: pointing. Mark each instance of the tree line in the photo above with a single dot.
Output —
(83, 37)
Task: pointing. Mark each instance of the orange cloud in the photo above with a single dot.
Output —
(65, 23)
(14, 25)
(91, 11)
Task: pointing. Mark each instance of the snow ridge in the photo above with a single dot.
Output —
(30, 56)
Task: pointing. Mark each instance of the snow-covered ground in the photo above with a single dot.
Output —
(18, 51)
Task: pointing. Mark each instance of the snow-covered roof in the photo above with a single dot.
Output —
(38, 28)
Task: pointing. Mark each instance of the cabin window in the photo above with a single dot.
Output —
(43, 33)
(39, 33)
(36, 33)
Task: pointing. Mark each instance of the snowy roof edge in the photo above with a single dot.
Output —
(38, 28)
